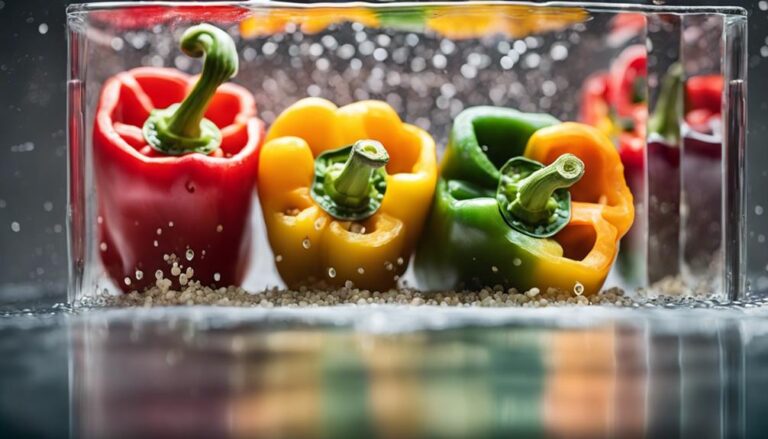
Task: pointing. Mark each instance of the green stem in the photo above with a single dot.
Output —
(352, 186)
(182, 128)
(535, 191)
(665, 120)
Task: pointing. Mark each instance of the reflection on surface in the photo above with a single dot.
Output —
(639, 378)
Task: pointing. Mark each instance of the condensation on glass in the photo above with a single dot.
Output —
(430, 61)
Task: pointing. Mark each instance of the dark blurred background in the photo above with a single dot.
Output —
(33, 67)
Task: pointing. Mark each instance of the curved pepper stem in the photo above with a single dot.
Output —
(352, 186)
(665, 120)
(181, 128)
(534, 202)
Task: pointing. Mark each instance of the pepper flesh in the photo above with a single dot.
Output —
(310, 245)
(152, 205)
(467, 243)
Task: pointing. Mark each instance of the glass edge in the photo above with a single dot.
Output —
(78, 8)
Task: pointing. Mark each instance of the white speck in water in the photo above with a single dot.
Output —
(758, 210)
(159, 274)
(159, 231)
(331, 272)
(494, 269)
(139, 274)
(15, 226)
(103, 246)
(219, 228)
(558, 52)
(517, 262)
(190, 254)
(360, 270)
(578, 289)
(127, 280)
(400, 261)
(47, 206)
(43, 28)
(278, 258)
(306, 244)
(117, 44)
(216, 277)
(155, 243)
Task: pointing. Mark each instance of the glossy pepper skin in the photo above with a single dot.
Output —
(310, 245)
(466, 242)
(152, 204)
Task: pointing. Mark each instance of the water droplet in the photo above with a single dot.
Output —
(360, 270)
(103, 246)
(127, 280)
(578, 289)
(306, 244)
(219, 228)
(190, 254)
(278, 258)
(331, 272)
(15, 226)
(139, 274)
(494, 269)
(517, 262)
(216, 277)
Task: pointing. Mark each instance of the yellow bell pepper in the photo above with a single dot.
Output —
(309, 244)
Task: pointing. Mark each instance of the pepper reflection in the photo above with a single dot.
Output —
(260, 381)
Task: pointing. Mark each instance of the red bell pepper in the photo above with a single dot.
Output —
(703, 101)
(178, 180)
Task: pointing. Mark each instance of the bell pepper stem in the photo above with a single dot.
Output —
(182, 128)
(352, 185)
(665, 120)
(536, 190)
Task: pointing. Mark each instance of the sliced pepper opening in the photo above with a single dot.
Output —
(577, 240)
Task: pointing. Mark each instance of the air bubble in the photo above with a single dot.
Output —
(159, 274)
(389, 266)
(127, 280)
(155, 243)
(360, 270)
(219, 228)
(139, 274)
(331, 272)
(759, 210)
(159, 231)
(319, 223)
(278, 258)
(306, 243)
(517, 262)
(494, 269)
(216, 277)
(103, 246)
(190, 254)
(400, 261)
(170, 223)
(578, 289)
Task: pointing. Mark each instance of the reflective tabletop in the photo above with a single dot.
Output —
(386, 371)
